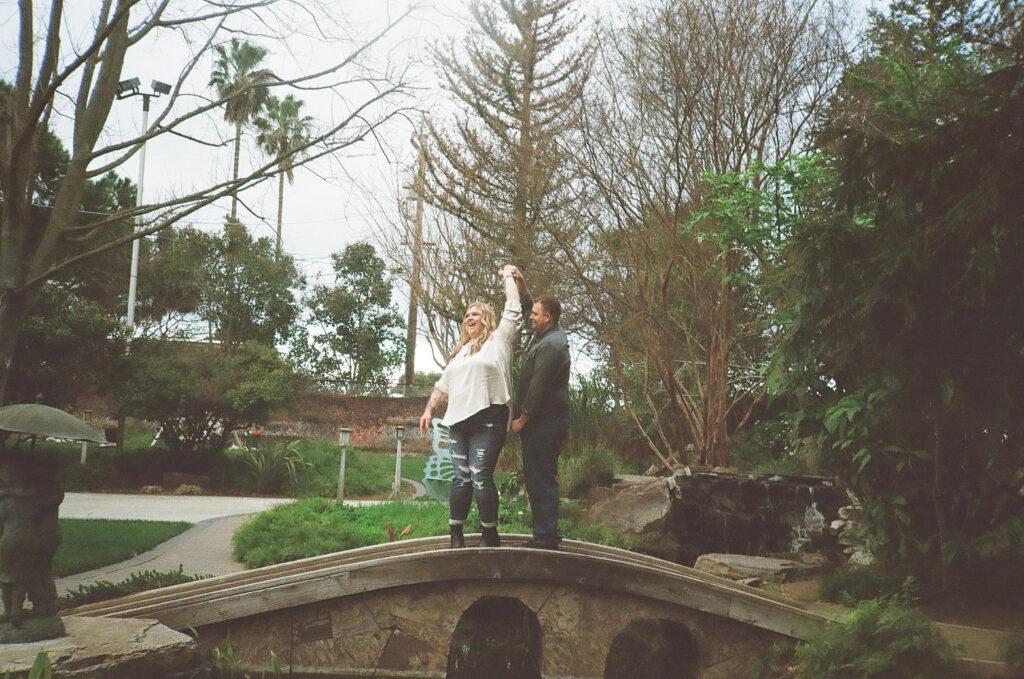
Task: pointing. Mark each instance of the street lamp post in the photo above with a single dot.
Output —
(343, 438)
(125, 89)
(399, 435)
(130, 88)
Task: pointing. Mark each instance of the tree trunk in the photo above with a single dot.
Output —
(12, 314)
(234, 173)
(280, 214)
(939, 501)
(715, 445)
(524, 163)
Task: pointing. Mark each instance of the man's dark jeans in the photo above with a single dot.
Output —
(542, 440)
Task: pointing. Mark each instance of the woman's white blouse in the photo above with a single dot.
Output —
(474, 382)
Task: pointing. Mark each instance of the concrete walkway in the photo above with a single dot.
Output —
(191, 508)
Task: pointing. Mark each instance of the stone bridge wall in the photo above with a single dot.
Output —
(408, 631)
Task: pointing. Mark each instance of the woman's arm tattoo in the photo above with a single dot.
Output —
(437, 399)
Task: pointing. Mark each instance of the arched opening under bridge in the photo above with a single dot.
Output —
(653, 648)
(497, 638)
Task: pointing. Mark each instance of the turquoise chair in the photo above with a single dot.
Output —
(439, 472)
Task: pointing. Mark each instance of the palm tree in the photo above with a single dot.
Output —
(243, 86)
(282, 132)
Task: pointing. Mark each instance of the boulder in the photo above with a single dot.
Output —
(741, 567)
(636, 504)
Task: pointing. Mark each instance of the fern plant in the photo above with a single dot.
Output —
(878, 640)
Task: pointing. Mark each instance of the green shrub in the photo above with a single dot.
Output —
(107, 469)
(271, 464)
(777, 663)
(854, 584)
(103, 590)
(589, 466)
(315, 526)
(514, 514)
(368, 474)
(878, 639)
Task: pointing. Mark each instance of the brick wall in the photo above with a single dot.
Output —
(372, 420)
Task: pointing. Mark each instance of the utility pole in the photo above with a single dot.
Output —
(414, 277)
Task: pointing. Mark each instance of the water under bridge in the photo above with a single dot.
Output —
(415, 608)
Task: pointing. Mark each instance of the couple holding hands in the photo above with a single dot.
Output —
(476, 385)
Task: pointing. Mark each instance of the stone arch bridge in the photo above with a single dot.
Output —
(414, 608)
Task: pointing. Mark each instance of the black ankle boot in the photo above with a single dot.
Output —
(458, 542)
(489, 537)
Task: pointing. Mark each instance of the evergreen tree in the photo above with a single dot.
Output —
(496, 175)
(356, 341)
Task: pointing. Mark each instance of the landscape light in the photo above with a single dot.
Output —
(397, 485)
(127, 88)
(343, 438)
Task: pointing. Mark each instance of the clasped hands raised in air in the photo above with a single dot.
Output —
(510, 270)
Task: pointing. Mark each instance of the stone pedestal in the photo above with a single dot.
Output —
(32, 629)
(100, 648)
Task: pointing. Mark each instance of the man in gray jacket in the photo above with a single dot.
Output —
(542, 412)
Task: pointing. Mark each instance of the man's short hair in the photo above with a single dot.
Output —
(551, 306)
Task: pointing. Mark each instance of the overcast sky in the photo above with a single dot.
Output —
(332, 202)
(323, 208)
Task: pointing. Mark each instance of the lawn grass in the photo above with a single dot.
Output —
(91, 543)
(368, 474)
(316, 526)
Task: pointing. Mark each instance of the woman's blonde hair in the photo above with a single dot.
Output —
(490, 323)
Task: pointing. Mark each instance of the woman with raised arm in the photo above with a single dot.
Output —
(477, 386)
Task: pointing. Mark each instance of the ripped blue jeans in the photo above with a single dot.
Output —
(476, 443)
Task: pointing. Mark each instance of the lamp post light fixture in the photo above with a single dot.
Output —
(130, 88)
(343, 438)
(397, 486)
